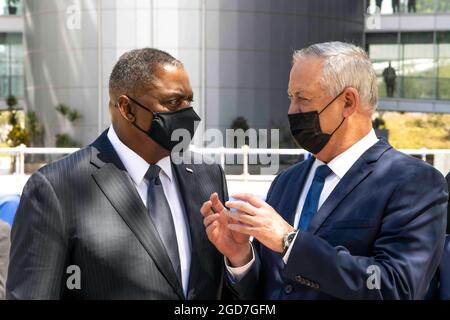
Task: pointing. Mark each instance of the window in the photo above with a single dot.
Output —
(443, 48)
(11, 65)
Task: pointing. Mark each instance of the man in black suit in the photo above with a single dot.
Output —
(119, 219)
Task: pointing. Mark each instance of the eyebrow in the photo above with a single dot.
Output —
(177, 95)
(299, 94)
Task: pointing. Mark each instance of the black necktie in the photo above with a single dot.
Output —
(161, 215)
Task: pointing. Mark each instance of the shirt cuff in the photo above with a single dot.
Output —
(288, 252)
(236, 274)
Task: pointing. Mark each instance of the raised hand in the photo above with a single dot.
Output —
(233, 245)
(256, 218)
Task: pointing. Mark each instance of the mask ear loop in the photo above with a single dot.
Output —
(140, 105)
(329, 105)
(334, 99)
(338, 127)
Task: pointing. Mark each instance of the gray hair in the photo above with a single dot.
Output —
(345, 65)
(136, 69)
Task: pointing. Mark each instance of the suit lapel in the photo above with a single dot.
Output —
(357, 173)
(289, 200)
(191, 195)
(114, 181)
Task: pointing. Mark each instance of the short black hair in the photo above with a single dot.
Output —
(136, 69)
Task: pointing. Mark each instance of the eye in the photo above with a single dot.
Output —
(171, 104)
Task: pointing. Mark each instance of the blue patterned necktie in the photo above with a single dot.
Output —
(312, 199)
(161, 216)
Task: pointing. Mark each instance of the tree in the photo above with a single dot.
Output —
(17, 135)
(64, 140)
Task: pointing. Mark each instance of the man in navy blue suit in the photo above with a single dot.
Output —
(359, 220)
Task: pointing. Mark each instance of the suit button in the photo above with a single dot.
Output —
(288, 288)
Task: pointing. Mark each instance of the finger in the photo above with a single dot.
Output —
(206, 208)
(243, 218)
(227, 215)
(210, 219)
(242, 206)
(254, 201)
(216, 203)
(242, 229)
(212, 231)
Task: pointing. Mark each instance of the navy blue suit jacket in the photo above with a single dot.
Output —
(388, 211)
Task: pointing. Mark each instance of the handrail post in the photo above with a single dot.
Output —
(22, 150)
(245, 150)
(17, 162)
(424, 154)
(222, 157)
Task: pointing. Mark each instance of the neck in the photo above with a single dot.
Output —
(340, 144)
(143, 145)
(150, 154)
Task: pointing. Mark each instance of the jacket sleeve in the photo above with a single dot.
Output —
(447, 177)
(250, 286)
(38, 244)
(4, 256)
(405, 255)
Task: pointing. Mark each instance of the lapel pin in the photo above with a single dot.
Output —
(189, 170)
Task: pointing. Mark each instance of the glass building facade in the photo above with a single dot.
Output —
(13, 9)
(421, 61)
(11, 65)
(408, 6)
(11, 51)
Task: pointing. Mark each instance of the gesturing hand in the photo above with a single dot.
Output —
(233, 245)
(256, 218)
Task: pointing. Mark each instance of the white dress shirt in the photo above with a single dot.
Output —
(339, 167)
(137, 168)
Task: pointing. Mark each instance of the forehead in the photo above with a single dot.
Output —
(305, 75)
(172, 79)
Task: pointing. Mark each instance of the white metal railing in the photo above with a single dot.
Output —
(20, 152)
(245, 151)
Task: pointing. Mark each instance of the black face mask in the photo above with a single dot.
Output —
(165, 123)
(305, 128)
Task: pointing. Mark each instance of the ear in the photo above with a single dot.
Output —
(352, 101)
(124, 106)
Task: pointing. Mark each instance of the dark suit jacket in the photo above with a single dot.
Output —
(389, 210)
(84, 210)
(447, 177)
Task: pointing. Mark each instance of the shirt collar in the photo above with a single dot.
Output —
(343, 162)
(135, 165)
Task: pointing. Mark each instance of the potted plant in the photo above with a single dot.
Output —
(240, 123)
(12, 6)
(35, 132)
(11, 102)
(64, 140)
